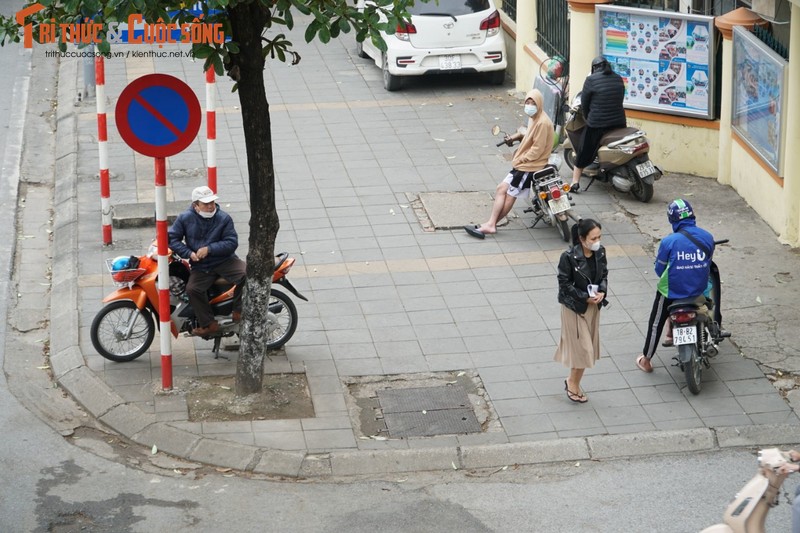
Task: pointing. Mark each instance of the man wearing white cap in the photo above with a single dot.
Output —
(204, 234)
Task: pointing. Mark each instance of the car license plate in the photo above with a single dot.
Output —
(645, 169)
(560, 205)
(687, 335)
(450, 62)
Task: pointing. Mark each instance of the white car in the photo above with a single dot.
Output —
(447, 36)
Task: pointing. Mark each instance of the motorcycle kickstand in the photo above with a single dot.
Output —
(536, 220)
(590, 183)
(215, 349)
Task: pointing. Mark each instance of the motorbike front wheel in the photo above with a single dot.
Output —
(110, 335)
(693, 369)
(569, 158)
(281, 319)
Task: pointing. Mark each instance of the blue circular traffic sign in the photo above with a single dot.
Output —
(158, 115)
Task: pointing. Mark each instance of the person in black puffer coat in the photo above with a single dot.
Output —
(601, 103)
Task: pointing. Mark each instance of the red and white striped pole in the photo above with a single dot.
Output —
(211, 128)
(163, 273)
(102, 141)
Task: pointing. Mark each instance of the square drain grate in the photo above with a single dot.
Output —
(447, 411)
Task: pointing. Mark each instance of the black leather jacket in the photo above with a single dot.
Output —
(574, 277)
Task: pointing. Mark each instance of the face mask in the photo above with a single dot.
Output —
(531, 109)
(206, 214)
(595, 246)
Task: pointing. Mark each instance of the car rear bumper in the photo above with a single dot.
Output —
(409, 61)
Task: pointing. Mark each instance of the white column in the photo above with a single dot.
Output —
(582, 43)
(791, 142)
(526, 34)
(726, 104)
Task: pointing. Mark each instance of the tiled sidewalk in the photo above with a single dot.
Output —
(385, 296)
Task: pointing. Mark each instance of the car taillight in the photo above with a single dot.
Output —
(403, 31)
(682, 317)
(555, 192)
(491, 24)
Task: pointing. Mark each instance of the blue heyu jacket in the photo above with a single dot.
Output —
(681, 264)
(190, 232)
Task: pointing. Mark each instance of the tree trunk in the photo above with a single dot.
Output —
(247, 23)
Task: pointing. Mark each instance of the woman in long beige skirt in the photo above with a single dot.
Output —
(582, 286)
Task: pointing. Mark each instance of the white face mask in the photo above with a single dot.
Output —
(531, 109)
(595, 246)
(206, 214)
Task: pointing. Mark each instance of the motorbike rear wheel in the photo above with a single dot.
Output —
(693, 370)
(281, 320)
(569, 158)
(640, 190)
(109, 326)
(563, 229)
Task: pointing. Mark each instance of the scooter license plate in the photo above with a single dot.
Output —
(560, 205)
(687, 335)
(450, 62)
(645, 169)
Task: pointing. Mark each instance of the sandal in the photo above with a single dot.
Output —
(667, 343)
(575, 187)
(644, 364)
(577, 398)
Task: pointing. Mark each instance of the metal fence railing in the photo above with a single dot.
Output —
(552, 27)
(509, 7)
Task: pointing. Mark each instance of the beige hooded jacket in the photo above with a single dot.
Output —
(537, 143)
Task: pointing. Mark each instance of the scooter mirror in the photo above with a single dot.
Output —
(495, 130)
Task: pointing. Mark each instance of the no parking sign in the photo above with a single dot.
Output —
(158, 115)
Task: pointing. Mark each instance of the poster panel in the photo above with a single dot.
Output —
(665, 58)
(758, 89)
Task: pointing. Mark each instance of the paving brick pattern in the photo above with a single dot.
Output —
(385, 296)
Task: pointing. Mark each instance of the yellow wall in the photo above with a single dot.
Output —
(679, 148)
(757, 187)
(582, 49)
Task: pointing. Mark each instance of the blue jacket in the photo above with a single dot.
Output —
(190, 232)
(682, 266)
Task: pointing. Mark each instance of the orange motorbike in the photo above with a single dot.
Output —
(125, 327)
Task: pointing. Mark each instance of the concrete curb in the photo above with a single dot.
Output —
(105, 405)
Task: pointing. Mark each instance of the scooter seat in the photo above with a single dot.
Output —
(616, 135)
(695, 301)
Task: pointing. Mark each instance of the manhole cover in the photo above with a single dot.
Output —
(449, 210)
(427, 411)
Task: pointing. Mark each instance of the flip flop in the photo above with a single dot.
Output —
(641, 366)
(575, 187)
(577, 398)
(667, 343)
(474, 231)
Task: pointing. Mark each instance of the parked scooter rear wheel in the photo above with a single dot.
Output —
(108, 328)
(569, 158)
(693, 370)
(640, 190)
(282, 319)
